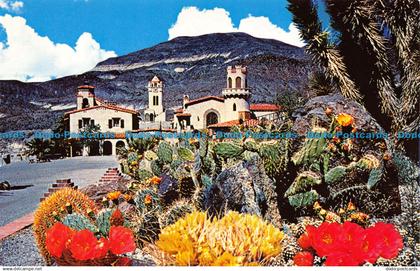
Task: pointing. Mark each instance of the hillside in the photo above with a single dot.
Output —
(189, 65)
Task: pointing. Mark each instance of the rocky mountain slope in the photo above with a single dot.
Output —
(189, 65)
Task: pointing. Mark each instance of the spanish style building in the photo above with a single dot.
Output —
(232, 108)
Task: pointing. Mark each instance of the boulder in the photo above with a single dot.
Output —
(245, 188)
(168, 189)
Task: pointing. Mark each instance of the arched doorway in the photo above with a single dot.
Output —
(94, 148)
(107, 148)
(211, 118)
(120, 146)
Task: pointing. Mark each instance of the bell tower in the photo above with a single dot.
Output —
(237, 93)
(155, 109)
(85, 96)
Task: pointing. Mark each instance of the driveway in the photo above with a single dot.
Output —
(35, 179)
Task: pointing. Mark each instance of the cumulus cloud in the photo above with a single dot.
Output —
(193, 22)
(27, 56)
(11, 5)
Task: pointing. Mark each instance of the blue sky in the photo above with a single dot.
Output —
(118, 27)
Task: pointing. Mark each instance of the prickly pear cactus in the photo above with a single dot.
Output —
(228, 150)
(303, 182)
(303, 199)
(251, 145)
(143, 175)
(103, 221)
(204, 145)
(275, 156)
(185, 154)
(79, 222)
(150, 155)
(157, 167)
(335, 174)
(312, 148)
(165, 152)
(132, 157)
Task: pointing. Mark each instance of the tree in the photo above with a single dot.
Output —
(40, 148)
(371, 54)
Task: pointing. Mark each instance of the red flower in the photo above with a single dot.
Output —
(83, 244)
(304, 258)
(388, 238)
(327, 239)
(56, 239)
(121, 240)
(341, 259)
(369, 251)
(116, 219)
(101, 248)
(305, 241)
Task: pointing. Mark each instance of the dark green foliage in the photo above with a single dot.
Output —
(303, 182)
(164, 152)
(103, 221)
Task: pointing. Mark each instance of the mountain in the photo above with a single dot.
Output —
(195, 66)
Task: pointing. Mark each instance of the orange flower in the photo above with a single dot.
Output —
(345, 119)
(155, 180)
(56, 239)
(127, 197)
(317, 206)
(351, 206)
(148, 199)
(121, 240)
(113, 195)
(116, 219)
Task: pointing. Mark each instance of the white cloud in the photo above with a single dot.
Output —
(27, 56)
(11, 5)
(193, 22)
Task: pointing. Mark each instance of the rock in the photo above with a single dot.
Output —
(5, 185)
(168, 189)
(245, 188)
(99, 190)
(315, 108)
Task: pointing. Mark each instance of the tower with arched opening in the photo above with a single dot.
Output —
(237, 93)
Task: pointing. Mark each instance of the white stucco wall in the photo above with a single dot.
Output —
(198, 112)
(101, 116)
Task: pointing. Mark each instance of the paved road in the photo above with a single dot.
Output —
(16, 203)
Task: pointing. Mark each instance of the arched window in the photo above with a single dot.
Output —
(238, 82)
(229, 82)
(211, 118)
(152, 117)
(234, 107)
(85, 103)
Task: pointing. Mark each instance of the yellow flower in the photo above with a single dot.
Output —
(227, 259)
(345, 120)
(113, 195)
(317, 206)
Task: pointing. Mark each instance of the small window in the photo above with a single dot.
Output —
(238, 82)
(110, 123)
(229, 82)
(80, 124)
(234, 107)
(92, 122)
(122, 123)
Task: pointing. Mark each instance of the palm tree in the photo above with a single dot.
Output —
(371, 54)
(39, 147)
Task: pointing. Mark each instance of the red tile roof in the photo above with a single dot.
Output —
(264, 107)
(183, 115)
(203, 99)
(107, 106)
(85, 86)
(179, 110)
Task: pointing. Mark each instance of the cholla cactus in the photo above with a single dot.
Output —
(231, 240)
(55, 208)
